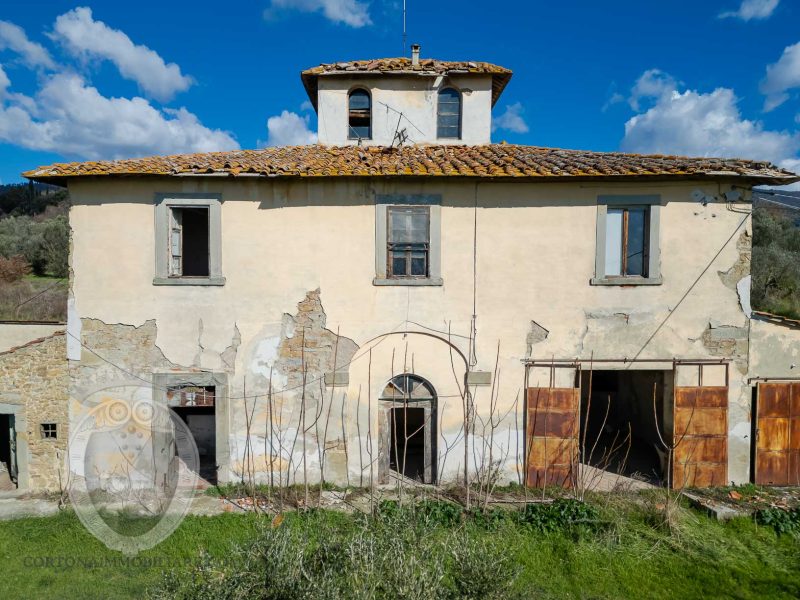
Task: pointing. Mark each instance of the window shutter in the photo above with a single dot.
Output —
(176, 236)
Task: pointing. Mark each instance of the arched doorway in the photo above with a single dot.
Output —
(408, 428)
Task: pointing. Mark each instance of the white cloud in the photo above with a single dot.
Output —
(653, 83)
(512, 119)
(13, 37)
(753, 9)
(615, 98)
(5, 82)
(72, 118)
(781, 77)
(84, 37)
(349, 12)
(695, 124)
(289, 129)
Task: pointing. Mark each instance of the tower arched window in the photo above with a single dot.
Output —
(359, 115)
(448, 114)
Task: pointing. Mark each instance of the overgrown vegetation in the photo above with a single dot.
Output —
(34, 240)
(781, 520)
(776, 263)
(613, 546)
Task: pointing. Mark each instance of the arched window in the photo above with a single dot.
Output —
(408, 388)
(359, 115)
(409, 405)
(448, 116)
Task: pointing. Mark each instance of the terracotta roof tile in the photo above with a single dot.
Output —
(403, 66)
(495, 161)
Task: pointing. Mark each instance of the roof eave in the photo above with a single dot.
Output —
(311, 80)
(63, 180)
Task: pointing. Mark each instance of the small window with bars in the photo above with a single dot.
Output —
(627, 241)
(408, 242)
(448, 117)
(49, 431)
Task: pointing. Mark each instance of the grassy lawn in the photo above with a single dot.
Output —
(25, 545)
(625, 551)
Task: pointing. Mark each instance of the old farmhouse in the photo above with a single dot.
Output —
(406, 299)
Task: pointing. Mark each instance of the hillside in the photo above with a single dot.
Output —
(34, 246)
(776, 253)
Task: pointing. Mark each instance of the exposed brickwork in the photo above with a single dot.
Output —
(309, 344)
(741, 268)
(729, 342)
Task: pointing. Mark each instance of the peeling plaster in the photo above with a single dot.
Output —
(743, 289)
(728, 341)
(536, 335)
(741, 268)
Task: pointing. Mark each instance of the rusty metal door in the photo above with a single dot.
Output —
(700, 436)
(777, 457)
(552, 437)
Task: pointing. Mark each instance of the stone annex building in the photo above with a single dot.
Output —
(405, 299)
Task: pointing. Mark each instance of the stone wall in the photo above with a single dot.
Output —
(34, 381)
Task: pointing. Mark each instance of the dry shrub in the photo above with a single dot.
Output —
(13, 269)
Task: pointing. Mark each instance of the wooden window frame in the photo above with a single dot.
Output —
(625, 237)
(460, 113)
(48, 431)
(350, 111)
(382, 204)
(652, 250)
(164, 203)
(177, 226)
(411, 248)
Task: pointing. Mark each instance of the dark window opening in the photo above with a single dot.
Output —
(408, 245)
(359, 115)
(407, 445)
(627, 241)
(189, 241)
(448, 117)
(618, 423)
(49, 431)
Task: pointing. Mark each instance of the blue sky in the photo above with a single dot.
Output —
(115, 79)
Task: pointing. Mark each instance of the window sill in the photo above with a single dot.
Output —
(626, 281)
(431, 281)
(214, 281)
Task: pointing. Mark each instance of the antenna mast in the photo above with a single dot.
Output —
(404, 27)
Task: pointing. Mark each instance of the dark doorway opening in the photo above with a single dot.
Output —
(202, 423)
(622, 422)
(407, 444)
(8, 459)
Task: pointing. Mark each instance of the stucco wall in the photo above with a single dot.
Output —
(774, 349)
(415, 97)
(283, 241)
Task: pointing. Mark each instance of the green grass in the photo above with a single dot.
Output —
(626, 551)
(26, 544)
